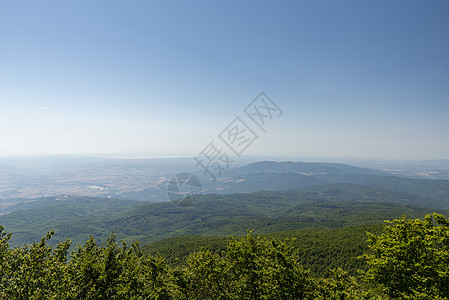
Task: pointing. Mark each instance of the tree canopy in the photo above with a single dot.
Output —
(411, 257)
(408, 260)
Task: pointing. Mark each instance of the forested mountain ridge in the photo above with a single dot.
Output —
(328, 206)
(272, 176)
(307, 168)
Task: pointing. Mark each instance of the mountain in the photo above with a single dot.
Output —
(437, 191)
(267, 181)
(27, 183)
(273, 176)
(314, 168)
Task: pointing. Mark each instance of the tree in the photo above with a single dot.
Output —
(112, 272)
(252, 268)
(411, 258)
(341, 286)
(35, 271)
(38, 271)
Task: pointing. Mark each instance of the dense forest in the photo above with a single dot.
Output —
(319, 250)
(338, 232)
(405, 259)
(325, 207)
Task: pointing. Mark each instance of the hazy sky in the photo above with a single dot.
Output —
(365, 79)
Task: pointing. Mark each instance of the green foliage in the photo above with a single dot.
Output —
(411, 258)
(175, 250)
(215, 215)
(322, 250)
(252, 268)
(266, 269)
(341, 286)
(112, 272)
(260, 268)
(39, 271)
(33, 272)
(408, 260)
(319, 250)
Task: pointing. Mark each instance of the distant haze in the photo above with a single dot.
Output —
(366, 79)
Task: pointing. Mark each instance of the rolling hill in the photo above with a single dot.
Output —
(328, 206)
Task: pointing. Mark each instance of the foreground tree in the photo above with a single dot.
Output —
(39, 271)
(411, 258)
(260, 268)
(341, 286)
(252, 268)
(35, 271)
(112, 272)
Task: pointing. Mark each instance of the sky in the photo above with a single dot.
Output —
(364, 79)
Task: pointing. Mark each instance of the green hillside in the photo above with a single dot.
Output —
(319, 249)
(217, 215)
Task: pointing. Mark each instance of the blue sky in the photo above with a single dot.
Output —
(367, 79)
